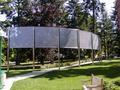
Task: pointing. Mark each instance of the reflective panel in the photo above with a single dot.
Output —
(96, 41)
(68, 38)
(46, 37)
(85, 39)
(21, 37)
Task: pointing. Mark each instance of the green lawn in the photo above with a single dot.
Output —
(72, 78)
(26, 68)
(12, 73)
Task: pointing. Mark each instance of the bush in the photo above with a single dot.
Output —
(57, 65)
(110, 86)
(117, 82)
(67, 64)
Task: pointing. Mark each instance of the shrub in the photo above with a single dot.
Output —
(110, 86)
(117, 82)
(67, 64)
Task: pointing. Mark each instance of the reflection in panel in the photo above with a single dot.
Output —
(85, 39)
(96, 42)
(68, 38)
(46, 37)
(21, 37)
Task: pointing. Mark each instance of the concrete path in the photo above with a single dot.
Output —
(9, 81)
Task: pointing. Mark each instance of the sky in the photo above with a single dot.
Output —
(2, 17)
(109, 5)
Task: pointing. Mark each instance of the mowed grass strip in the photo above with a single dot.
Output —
(72, 78)
(13, 73)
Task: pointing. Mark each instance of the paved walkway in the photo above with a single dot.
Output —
(9, 81)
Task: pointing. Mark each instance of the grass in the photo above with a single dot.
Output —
(12, 73)
(72, 78)
(26, 68)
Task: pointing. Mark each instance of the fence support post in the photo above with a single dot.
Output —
(78, 45)
(8, 50)
(33, 49)
(59, 47)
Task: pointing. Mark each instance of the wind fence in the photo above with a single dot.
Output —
(52, 37)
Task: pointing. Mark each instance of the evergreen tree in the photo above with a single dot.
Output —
(115, 34)
(37, 13)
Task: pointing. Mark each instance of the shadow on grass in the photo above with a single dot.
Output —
(17, 72)
(109, 72)
(110, 63)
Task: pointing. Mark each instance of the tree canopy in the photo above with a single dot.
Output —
(88, 15)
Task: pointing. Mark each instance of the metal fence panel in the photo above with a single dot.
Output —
(46, 37)
(68, 38)
(96, 41)
(85, 39)
(21, 37)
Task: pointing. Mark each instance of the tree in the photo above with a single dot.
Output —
(4, 10)
(50, 12)
(107, 28)
(115, 33)
(78, 14)
(38, 13)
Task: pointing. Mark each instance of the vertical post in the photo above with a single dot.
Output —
(8, 50)
(92, 49)
(78, 44)
(17, 60)
(100, 49)
(93, 1)
(59, 47)
(0, 61)
(105, 48)
(33, 49)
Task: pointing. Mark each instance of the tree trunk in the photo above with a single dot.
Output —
(17, 60)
